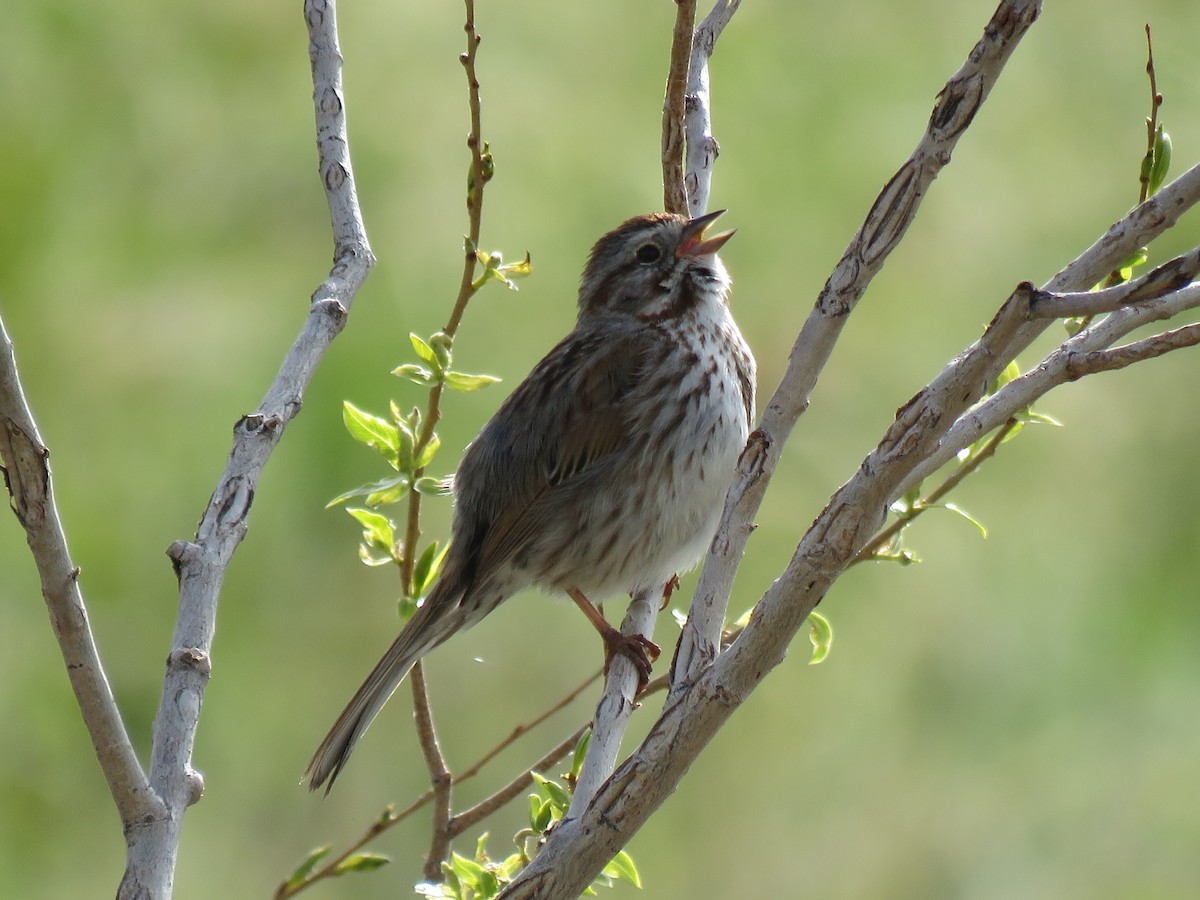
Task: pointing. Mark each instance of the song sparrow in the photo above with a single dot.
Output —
(605, 470)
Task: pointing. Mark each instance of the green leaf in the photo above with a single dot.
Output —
(375, 487)
(1034, 417)
(302, 871)
(428, 486)
(361, 862)
(1139, 257)
(406, 607)
(743, 620)
(495, 269)
(622, 866)
(397, 414)
(371, 557)
(581, 746)
(481, 849)
(373, 431)
(1021, 418)
(378, 531)
(556, 793)
(468, 871)
(1011, 372)
(820, 633)
(488, 885)
(427, 568)
(423, 350)
(464, 383)
(404, 452)
(441, 344)
(1162, 161)
(955, 508)
(425, 457)
(510, 866)
(541, 818)
(414, 373)
(897, 555)
(391, 493)
(452, 881)
(509, 271)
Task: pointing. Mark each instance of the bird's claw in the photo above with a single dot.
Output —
(638, 649)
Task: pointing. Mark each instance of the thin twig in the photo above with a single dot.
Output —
(439, 774)
(674, 105)
(887, 535)
(1156, 100)
(525, 727)
(466, 289)
(1115, 277)
(438, 770)
(331, 867)
(469, 818)
(391, 817)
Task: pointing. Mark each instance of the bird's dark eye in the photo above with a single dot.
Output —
(648, 253)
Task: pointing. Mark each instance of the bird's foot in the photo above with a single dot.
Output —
(639, 650)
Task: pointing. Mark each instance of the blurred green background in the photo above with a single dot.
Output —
(1012, 717)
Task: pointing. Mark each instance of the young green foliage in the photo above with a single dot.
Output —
(408, 450)
(306, 867)
(435, 357)
(481, 877)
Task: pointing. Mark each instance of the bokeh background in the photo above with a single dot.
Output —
(1015, 716)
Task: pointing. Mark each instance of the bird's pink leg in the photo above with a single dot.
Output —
(640, 650)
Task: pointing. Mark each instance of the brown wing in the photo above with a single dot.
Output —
(557, 429)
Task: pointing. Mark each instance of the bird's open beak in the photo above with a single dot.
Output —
(694, 242)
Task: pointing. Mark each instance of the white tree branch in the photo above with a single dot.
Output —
(1140, 226)
(893, 211)
(31, 488)
(1087, 348)
(1168, 277)
(616, 705)
(200, 564)
(701, 147)
(1081, 364)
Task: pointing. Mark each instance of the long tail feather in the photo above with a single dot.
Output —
(438, 618)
